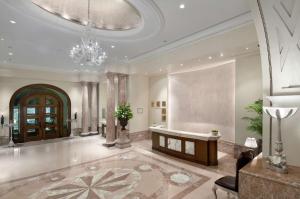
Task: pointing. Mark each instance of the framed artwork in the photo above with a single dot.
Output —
(158, 104)
(163, 103)
(164, 118)
(164, 111)
(152, 104)
(140, 110)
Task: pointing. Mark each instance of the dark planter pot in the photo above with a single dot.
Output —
(123, 123)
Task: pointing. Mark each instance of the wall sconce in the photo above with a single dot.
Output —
(2, 121)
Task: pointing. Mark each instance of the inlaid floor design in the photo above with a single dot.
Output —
(82, 168)
(128, 175)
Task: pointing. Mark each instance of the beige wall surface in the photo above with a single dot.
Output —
(158, 91)
(138, 98)
(248, 88)
(203, 100)
(8, 85)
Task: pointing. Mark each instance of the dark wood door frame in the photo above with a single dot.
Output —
(41, 117)
(41, 86)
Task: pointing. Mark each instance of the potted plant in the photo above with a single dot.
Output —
(255, 122)
(123, 114)
(215, 132)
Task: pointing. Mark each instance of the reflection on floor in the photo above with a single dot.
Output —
(83, 168)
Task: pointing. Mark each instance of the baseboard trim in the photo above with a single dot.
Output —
(226, 147)
(141, 135)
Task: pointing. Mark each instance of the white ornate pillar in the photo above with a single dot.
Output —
(278, 27)
(94, 107)
(110, 119)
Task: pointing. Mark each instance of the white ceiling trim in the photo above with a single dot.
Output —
(221, 28)
(208, 66)
(153, 21)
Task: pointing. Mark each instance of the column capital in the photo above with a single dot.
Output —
(123, 75)
(110, 74)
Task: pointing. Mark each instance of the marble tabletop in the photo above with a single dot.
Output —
(186, 134)
(259, 168)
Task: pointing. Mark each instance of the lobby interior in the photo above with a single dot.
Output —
(149, 99)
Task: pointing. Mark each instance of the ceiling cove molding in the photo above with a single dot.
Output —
(31, 72)
(204, 67)
(231, 24)
(153, 21)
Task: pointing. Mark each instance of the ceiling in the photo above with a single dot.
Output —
(41, 40)
(201, 53)
(103, 14)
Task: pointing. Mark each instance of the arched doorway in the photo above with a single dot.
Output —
(40, 112)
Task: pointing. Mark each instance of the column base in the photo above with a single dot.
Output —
(109, 144)
(123, 141)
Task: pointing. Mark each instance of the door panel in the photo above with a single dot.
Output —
(41, 117)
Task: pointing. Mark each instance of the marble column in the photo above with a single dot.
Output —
(94, 107)
(110, 119)
(85, 108)
(122, 92)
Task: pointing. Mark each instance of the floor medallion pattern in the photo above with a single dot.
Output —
(130, 175)
(107, 184)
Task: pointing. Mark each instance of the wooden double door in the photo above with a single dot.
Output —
(41, 117)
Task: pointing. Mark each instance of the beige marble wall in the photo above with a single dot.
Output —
(203, 100)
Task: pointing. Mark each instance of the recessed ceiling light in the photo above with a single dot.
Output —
(12, 21)
(182, 6)
(181, 64)
(2, 39)
(10, 54)
(81, 64)
(221, 55)
(160, 69)
(247, 48)
(210, 57)
(112, 46)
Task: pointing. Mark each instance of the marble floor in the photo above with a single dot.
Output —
(83, 168)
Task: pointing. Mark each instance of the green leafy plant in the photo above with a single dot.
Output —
(255, 122)
(124, 112)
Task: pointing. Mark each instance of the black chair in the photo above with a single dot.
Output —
(230, 184)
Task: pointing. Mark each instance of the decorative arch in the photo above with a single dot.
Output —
(16, 109)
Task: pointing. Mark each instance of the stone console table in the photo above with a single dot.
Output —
(197, 147)
(257, 181)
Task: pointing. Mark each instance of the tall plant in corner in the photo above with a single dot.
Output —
(255, 122)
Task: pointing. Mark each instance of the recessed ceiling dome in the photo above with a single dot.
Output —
(104, 14)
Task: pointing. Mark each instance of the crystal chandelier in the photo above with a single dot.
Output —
(88, 52)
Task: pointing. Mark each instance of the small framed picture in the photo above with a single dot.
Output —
(158, 104)
(164, 111)
(152, 104)
(140, 110)
(163, 103)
